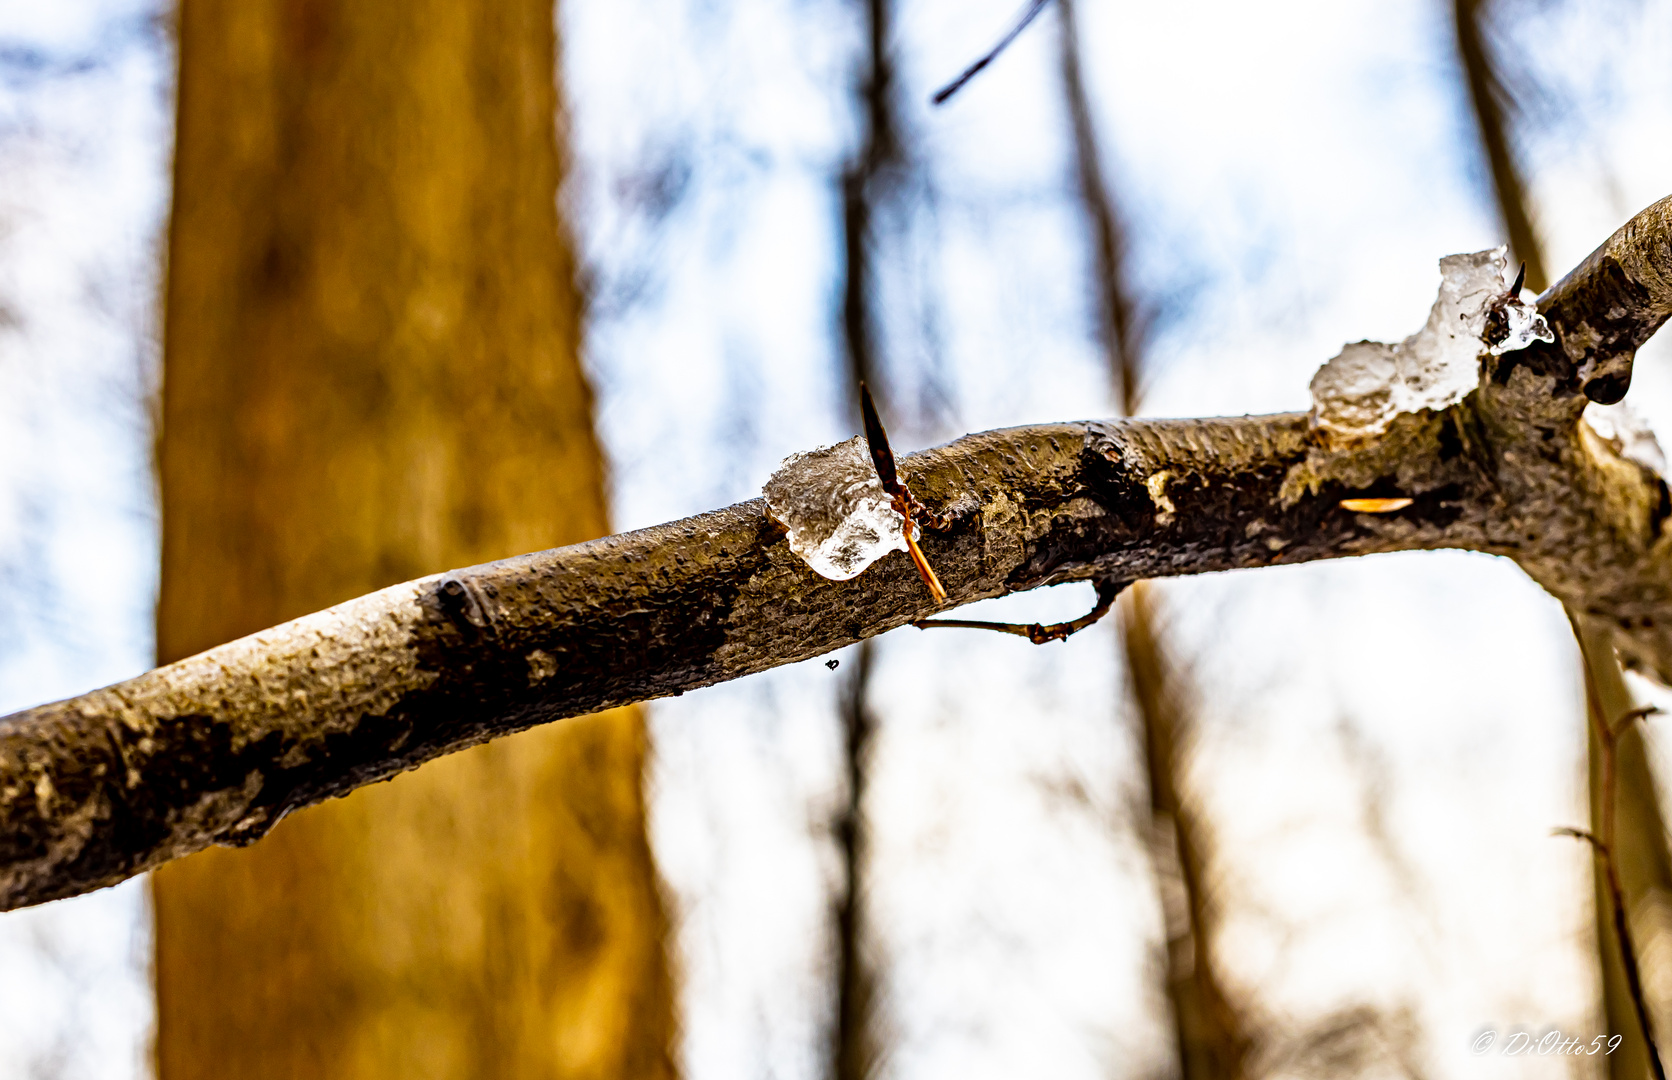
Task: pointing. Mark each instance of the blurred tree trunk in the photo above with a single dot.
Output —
(1641, 852)
(371, 373)
(854, 1051)
(868, 181)
(1213, 1036)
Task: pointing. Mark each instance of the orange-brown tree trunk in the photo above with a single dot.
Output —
(370, 374)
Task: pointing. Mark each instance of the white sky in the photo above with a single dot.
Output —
(84, 138)
(1385, 744)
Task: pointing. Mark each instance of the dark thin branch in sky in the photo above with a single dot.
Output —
(945, 92)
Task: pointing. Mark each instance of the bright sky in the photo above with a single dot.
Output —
(1385, 743)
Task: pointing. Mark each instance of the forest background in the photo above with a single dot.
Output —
(1381, 746)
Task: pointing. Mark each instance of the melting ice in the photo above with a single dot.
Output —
(839, 518)
(1360, 391)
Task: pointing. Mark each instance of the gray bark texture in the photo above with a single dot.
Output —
(216, 748)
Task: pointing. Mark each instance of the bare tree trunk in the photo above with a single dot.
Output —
(371, 373)
(1213, 1037)
(1639, 840)
(1641, 854)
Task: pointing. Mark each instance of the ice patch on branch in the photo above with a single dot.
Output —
(1523, 326)
(1620, 427)
(840, 520)
(1360, 391)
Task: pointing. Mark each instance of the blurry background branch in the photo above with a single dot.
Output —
(1211, 1030)
(1029, 13)
(1489, 94)
(1610, 716)
(1636, 841)
(870, 181)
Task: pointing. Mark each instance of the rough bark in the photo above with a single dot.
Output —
(218, 747)
(371, 373)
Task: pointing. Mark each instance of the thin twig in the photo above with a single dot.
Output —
(882, 458)
(1040, 633)
(992, 54)
(1633, 716)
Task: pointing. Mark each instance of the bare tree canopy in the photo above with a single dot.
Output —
(218, 747)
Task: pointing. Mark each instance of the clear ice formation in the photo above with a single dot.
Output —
(839, 518)
(1629, 435)
(1358, 393)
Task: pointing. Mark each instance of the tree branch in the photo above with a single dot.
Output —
(218, 747)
